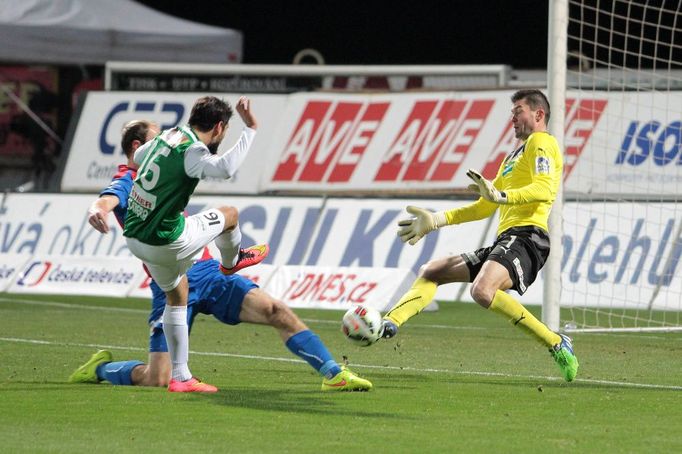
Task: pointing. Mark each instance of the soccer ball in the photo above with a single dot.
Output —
(362, 325)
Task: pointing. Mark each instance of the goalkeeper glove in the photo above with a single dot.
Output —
(413, 229)
(485, 188)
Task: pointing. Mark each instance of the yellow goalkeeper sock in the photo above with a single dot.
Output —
(507, 306)
(412, 302)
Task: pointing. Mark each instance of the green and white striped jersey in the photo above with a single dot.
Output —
(161, 189)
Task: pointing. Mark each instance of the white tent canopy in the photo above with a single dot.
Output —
(95, 31)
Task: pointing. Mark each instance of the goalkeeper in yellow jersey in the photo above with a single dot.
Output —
(523, 190)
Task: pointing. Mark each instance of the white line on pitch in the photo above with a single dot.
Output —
(369, 366)
(143, 311)
(307, 320)
(311, 320)
(73, 306)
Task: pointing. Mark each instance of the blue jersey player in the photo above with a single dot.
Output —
(229, 298)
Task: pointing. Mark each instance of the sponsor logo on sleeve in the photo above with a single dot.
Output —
(542, 165)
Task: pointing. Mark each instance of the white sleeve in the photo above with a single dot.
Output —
(200, 163)
(141, 151)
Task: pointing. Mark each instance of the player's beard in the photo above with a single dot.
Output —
(522, 132)
(215, 142)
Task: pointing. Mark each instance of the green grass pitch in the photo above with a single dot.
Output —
(457, 380)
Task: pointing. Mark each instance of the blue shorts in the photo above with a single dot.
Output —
(210, 293)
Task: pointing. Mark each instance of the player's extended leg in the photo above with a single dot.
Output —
(488, 291)
(156, 372)
(261, 308)
(234, 258)
(101, 367)
(431, 275)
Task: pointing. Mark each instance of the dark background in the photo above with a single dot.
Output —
(380, 32)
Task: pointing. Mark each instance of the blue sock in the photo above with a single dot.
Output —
(118, 373)
(309, 347)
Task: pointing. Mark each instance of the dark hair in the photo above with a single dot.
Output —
(208, 112)
(134, 130)
(535, 100)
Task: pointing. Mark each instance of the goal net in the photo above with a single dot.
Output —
(622, 212)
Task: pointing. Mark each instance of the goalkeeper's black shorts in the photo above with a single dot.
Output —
(522, 250)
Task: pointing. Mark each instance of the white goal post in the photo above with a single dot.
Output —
(623, 191)
(556, 91)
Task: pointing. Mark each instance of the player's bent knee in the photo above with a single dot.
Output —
(284, 318)
(482, 294)
(433, 271)
(231, 215)
(278, 312)
(271, 311)
(424, 270)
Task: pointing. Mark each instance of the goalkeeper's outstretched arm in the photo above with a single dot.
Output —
(413, 229)
(480, 209)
